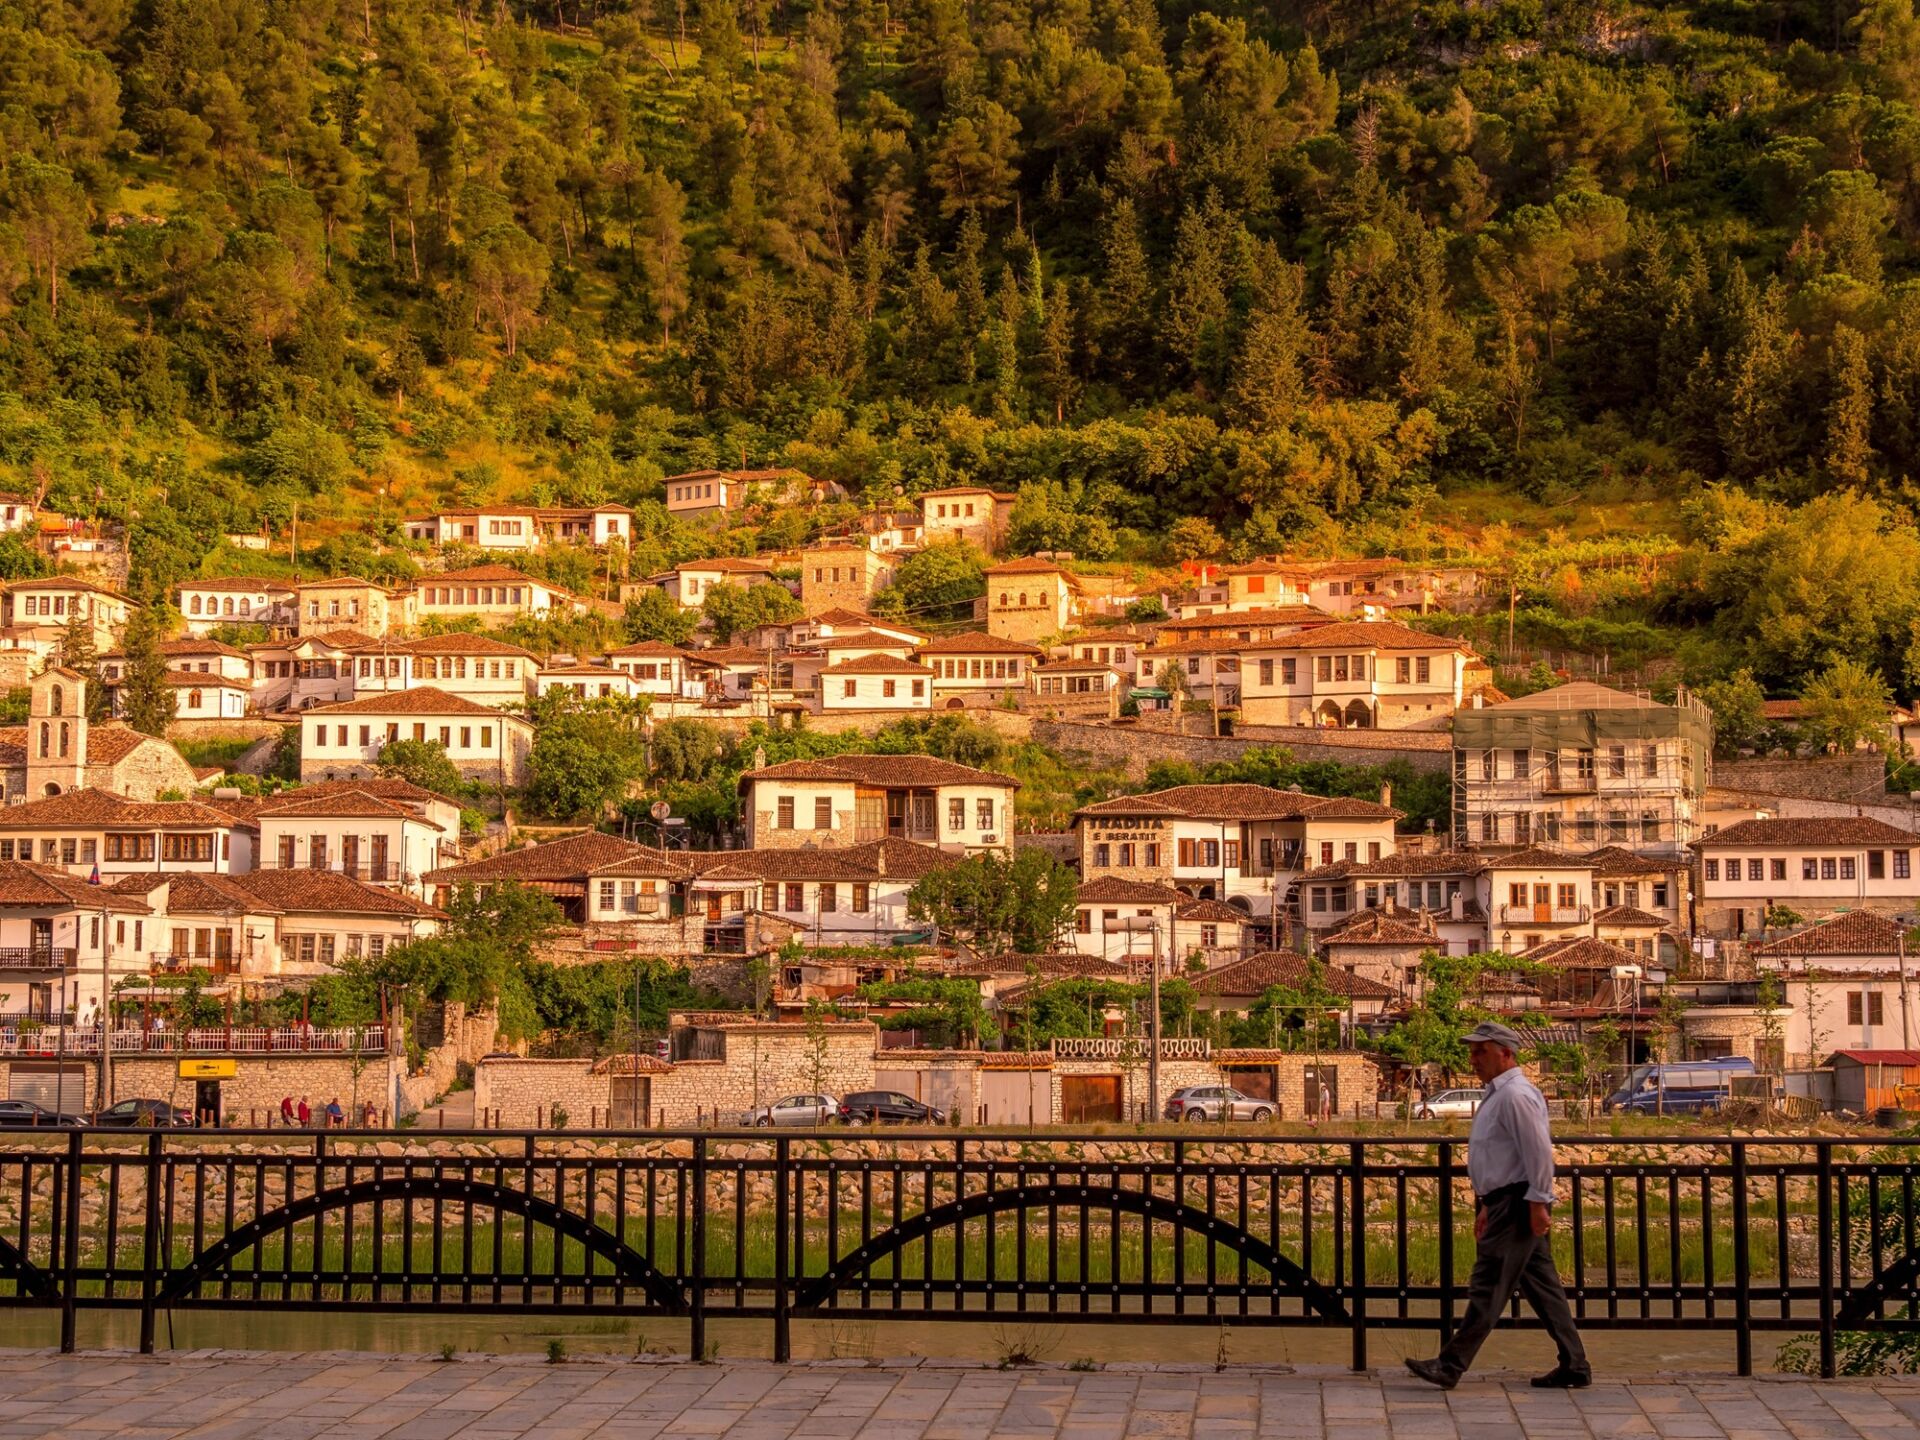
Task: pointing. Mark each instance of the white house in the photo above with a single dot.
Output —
(854, 799)
(87, 832)
(1372, 675)
(875, 682)
(57, 934)
(1848, 983)
(344, 741)
(588, 682)
(707, 492)
(323, 917)
(662, 671)
(35, 612)
(852, 895)
(977, 668)
(353, 833)
(1811, 867)
(689, 583)
(496, 594)
(480, 668)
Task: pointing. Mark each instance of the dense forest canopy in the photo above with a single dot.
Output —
(1202, 277)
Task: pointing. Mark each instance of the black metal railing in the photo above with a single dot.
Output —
(1728, 1234)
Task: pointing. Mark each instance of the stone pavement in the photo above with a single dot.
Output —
(228, 1395)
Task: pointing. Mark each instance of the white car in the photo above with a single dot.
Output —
(1450, 1104)
(793, 1110)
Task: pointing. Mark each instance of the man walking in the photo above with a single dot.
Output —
(1510, 1162)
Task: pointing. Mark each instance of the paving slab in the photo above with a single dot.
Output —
(242, 1395)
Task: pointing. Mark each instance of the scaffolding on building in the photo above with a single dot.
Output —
(1581, 765)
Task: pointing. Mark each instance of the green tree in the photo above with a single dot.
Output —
(940, 582)
(79, 654)
(732, 610)
(1849, 452)
(1847, 704)
(1024, 905)
(948, 1013)
(50, 208)
(655, 615)
(423, 763)
(146, 697)
(507, 269)
(1739, 712)
(584, 760)
(1193, 538)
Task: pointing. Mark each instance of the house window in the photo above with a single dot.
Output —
(1403, 670)
(783, 813)
(1829, 868)
(956, 813)
(823, 812)
(1866, 1008)
(1422, 670)
(1756, 870)
(1713, 869)
(1083, 922)
(1846, 867)
(862, 897)
(1101, 856)
(1266, 672)
(1876, 864)
(1326, 852)
(1809, 869)
(606, 894)
(1779, 869)
(796, 897)
(983, 814)
(848, 688)
(829, 898)
(1901, 864)
(1288, 669)
(1232, 858)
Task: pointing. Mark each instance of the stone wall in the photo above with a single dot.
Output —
(263, 1080)
(466, 1038)
(523, 1092)
(1817, 777)
(1137, 746)
(180, 731)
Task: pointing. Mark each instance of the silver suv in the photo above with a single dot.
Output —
(1200, 1103)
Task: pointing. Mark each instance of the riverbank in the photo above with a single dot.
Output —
(228, 1395)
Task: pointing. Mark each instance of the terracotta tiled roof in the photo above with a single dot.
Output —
(648, 650)
(977, 642)
(884, 770)
(65, 582)
(877, 665)
(627, 1063)
(565, 859)
(1049, 966)
(1110, 890)
(647, 864)
(31, 886)
(728, 565)
(1259, 973)
(1240, 802)
(424, 700)
(190, 680)
(340, 582)
(1077, 667)
(1629, 916)
(1363, 635)
(949, 490)
(1212, 912)
(1580, 695)
(248, 583)
(1617, 860)
(185, 645)
(1583, 953)
(1267, 615)
(458, 643)
(328, 892)
(878, 859)
(88, 806)
(1374, 928)
(384, 787)
(604, 672)
(1030, 565)
(485, 574)
(1857, 932)
(841, 615)
(1536, 857)
(857, 640)
(1825, 830)
(108, 743)
(190, 893)
(342, 805)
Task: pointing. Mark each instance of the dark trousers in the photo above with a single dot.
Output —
(1511, 1257)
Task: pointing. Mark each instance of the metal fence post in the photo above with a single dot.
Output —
(697, 1238)
(782, 1282)
(1358, 1269)
(70, 1246)
(1824, 1171)
(1446, 1241)
(150, 1245)
(1742, 1266)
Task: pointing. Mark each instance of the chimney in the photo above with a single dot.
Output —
(1479, 699)
(1386, 792)
(880, 859)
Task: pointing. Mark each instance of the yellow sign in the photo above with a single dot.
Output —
(209, 1069)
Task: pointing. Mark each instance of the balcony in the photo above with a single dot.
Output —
(37, 957)
(378, 873)
(237, 1040)
(1562, 783)
(1544, 914)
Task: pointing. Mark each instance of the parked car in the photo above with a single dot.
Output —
(888, 1107)
(1450, 1104)
(1198, 1103)
(143, 1113)
(1683, 1089)
(25, 1112)
(794, 1110)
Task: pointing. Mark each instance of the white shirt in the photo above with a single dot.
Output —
(1510, 1141)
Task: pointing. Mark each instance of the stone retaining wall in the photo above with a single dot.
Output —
(1138, 746)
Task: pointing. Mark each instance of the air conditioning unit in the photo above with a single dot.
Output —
(989, 839)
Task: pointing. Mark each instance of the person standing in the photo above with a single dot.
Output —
(1510, 1162)
(286, 1110)
(304, 1112)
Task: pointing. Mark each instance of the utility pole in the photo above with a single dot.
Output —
(1153, 1025)
(106, 1008)
(1906, 1010)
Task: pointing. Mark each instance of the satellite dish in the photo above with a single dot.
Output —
(660, 809)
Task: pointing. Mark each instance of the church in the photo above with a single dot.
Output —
(58, 749)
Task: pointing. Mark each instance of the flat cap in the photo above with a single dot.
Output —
(1494, 1033)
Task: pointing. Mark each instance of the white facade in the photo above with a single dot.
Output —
(1367, 675)
(588, 682)
(344, 741)
(490, 592)
(206, 605)
(1812, 868)
(854, 799)
(876, 682)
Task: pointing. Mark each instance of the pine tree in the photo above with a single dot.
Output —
(1267, 384)
(146, 699)
(1850, 411)
(1056, 352)
(1126, 290)
(79, 654)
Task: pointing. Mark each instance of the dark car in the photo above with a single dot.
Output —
(25, 1112)
(887, 1107)
(142, 1113)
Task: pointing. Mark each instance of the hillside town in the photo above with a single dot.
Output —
(1601, 869)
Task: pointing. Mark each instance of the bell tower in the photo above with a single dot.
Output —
(56, 733)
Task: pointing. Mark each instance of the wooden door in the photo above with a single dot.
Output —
(1016, 1097)
(632, 1105)
(1543, 904)
(1085, 1099)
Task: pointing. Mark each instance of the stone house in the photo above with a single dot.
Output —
(690, 582)
(495, 594)
(1030, 600)
(971, 513)
(1236, 988)
(1384, 946)
(34, 613)
(875, 682)
(323, 917)
(842, 573)
(473, 667)
(350, 603)
(89, 832)
(59, 749)
(235, 600)
(976, 668)
(1074, 689)
(1369, 675)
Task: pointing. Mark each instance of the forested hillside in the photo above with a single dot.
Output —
(1226, 278)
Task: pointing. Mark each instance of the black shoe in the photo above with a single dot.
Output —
(1562, 1378)
(1434, 1373)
